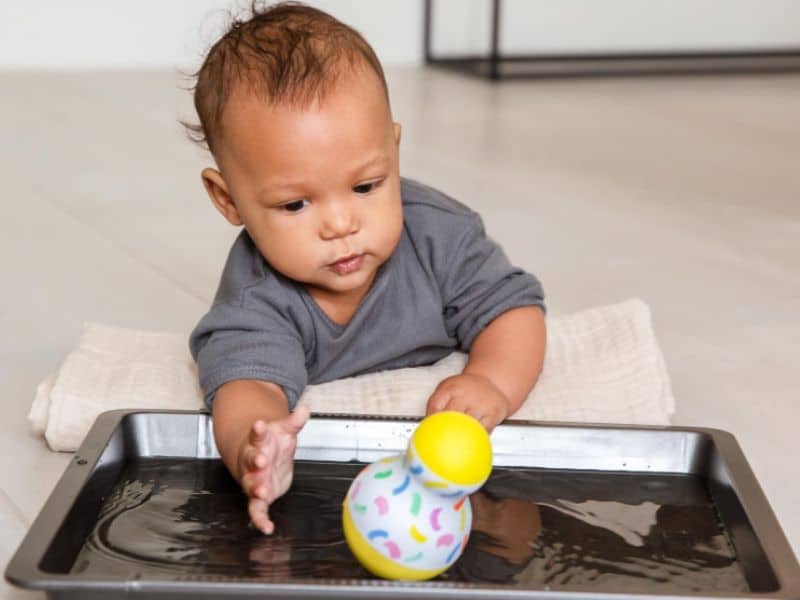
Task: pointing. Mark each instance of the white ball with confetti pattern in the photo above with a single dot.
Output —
(408, 516)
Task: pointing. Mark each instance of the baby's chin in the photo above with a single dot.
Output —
(346, 283)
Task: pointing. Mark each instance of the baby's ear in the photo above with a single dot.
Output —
(398, 130)
(218, 192)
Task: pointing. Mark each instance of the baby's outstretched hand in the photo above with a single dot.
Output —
(266, 459)
(472, 394)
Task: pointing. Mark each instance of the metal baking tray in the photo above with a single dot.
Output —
(146, 509)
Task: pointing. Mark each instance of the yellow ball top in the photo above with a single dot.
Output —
(455, 446)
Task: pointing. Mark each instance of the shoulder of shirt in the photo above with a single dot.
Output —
(245, 269)
(420, 201)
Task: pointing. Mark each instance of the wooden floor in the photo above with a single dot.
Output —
(684, 192)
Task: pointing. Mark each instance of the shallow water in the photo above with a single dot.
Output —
(531, 528)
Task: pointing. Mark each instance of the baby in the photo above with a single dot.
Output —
(342, 266)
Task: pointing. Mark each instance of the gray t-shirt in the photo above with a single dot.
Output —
(445, 282)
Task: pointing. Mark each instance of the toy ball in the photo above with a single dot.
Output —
(408, 516)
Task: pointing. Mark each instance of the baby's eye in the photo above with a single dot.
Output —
(295, 206)
(366, 188)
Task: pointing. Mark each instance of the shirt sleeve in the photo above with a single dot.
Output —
(234, 342)
(479, 284)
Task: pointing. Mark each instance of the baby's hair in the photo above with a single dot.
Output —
(286, 52)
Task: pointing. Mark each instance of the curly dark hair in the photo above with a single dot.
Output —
(286, 52)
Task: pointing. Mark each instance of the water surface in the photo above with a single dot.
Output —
(532, 528)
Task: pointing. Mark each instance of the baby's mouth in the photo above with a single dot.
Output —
(348, 264)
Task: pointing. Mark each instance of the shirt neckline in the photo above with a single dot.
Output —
(379, 280)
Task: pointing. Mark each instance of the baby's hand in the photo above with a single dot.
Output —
(474, 395)
(265, 462)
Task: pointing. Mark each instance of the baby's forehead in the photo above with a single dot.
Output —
(246, 100)
(352, 124)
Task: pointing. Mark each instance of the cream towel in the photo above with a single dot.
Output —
(602, 365)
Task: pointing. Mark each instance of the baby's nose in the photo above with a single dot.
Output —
(339, 220)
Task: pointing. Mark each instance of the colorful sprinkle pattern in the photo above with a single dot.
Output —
(421, 521)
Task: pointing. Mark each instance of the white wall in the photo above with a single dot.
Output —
(563, 26)
(168, 33)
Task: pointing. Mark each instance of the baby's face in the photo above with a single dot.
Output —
(317, 188)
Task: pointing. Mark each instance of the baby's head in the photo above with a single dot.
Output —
(294, 107)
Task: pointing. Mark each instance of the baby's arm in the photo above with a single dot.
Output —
(256, 437)
(504, 363)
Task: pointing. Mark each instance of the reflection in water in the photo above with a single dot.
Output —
(532, 528)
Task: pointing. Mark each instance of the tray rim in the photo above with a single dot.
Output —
(23, 569)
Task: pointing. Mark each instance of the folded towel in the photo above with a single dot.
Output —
(602, 365)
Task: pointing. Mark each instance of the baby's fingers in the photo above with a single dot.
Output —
(254, 459)
(437, 402)
(488, 422)
(255, 484)
(296, 420)
(259, 517)
(258, 433)
(484, 415)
